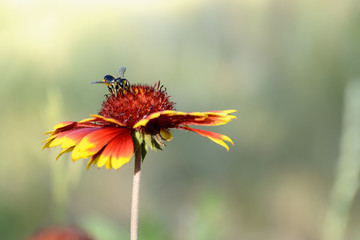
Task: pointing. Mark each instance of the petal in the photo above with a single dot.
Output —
(63, 124)
(60, 127)
(171, 118)
(66, 126)
(144, 121)
(224, 111)
(141, 123)
(216, 137)
(64, 151)
(117, 152)
(213, 118)
(95, 141)
(110, 120)
(70, 138)
(47, 142)
(94, 159)
(87, 120)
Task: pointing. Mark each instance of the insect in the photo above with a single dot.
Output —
(116, 84)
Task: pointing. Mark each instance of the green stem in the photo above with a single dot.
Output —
(347, 173)
(135, 197)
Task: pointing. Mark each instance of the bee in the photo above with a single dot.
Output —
(116, 84)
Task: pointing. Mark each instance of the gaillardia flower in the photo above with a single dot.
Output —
(138, 117)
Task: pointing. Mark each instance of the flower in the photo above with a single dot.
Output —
(138, 117)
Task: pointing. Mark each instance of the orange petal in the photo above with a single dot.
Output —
(216, 137)
(117, 152)
(94, 159)
(110, 120)
(70, 138)
(171, 118)
(86, 120)
(224, 111)
(64, 151)
(212, 118)
(47, 142)
(63, 124)
(61, 127)
(95, 141)
(144, 121)
(66, 126)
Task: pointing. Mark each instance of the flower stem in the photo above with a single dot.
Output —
(135, 197)
(346, 183)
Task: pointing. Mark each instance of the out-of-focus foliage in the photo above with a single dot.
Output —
(282, 64)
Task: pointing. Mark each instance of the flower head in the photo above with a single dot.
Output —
(140, 116)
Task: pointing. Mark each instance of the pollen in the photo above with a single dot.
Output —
(130, 106)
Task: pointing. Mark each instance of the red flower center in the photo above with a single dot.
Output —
(130, 106)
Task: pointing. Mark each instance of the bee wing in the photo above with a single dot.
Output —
(121, 72)
(98, 82)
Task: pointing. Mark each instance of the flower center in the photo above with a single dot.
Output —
(130, 106)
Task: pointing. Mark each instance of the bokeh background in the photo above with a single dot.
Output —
(282, 64)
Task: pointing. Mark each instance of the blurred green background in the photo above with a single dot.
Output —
(282, 64)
